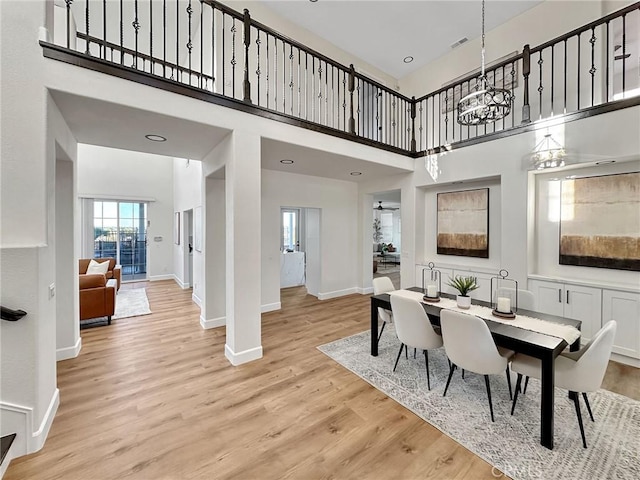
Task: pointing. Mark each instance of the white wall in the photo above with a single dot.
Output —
(187, 195)
(268, 17)
(124, 175)
(534, 27)
(610, 136)
(338, 202)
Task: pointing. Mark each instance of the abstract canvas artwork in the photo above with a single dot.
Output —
(463, 223)
(600, 222)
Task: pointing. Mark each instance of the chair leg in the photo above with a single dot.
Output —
(406, 352)
(381, 330)
(515, 397)
(414, 353)
(426, 363)
(576, 401)
(109, 320)
(398, 357)
(526, 382)
(586, 401)
(463, 373)
(486, 381)
(509, 383)
(453, 367)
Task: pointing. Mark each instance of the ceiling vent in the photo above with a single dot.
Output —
(459, 42)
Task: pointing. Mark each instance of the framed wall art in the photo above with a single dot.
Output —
(600, 221)
(463, 223)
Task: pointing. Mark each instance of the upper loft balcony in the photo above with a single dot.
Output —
(207, 50)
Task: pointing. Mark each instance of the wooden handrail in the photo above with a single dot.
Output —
(11, 314)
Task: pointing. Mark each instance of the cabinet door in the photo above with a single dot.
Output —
(549, 296)
(624, 308)
(584, 304)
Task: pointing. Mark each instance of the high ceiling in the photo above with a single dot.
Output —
(384, 32)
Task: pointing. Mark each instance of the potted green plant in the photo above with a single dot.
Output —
(464, 285)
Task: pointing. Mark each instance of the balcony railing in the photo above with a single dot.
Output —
(227, 57)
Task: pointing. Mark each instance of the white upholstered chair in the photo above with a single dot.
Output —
(414, 328)
(578, 372)
(383, 285)
(470, 346)
(526, 299)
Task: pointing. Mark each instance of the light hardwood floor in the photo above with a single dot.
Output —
(153, 397)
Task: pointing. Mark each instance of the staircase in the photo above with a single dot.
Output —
(5, 447)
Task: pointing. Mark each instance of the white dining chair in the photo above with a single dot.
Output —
(470, 346)
(414, 328)
(526, 299)
(578, 372)
(383, 285)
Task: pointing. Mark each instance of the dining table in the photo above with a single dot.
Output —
(542, 346)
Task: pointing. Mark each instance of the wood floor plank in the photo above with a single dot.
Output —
(154, 397)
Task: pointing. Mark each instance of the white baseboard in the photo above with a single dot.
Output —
(69, 352)
(337, 293)
(634, 362)
(242, 357)
(364, 291)
(157, 278)
(180, 283)
(19, 419)
(196, 300)
(212, 323)
(270, 307)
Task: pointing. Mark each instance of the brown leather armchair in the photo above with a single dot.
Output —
(114, 271)
(97, 296)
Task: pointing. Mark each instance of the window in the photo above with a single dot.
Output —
(386, 227)
(290, 229)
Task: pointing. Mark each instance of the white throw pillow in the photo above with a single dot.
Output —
(98, 267)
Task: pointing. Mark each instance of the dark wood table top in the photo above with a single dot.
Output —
(508, 336)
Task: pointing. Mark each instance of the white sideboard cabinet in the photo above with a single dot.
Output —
(624, 308)
(572, 301)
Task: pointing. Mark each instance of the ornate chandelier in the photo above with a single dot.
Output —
(548, 153)
(487, 103)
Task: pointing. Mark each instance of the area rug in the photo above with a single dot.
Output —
(129, 303)
(511, 443)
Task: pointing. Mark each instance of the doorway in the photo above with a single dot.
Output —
(300, 248)
(387, 235)
(187, 235)
(120, 231)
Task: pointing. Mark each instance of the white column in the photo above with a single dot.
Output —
(214, 301)
(243, 244)
(66, 270)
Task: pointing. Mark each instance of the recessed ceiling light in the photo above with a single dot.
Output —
(286, 162)
(407, 59)
(313, 1)
(605, 162)
(355, 174)
(155, 138)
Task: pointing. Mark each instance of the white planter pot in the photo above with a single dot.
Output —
(463, 302)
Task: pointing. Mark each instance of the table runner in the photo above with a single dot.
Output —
(567, 332)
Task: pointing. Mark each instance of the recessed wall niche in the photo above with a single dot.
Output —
(429, 235)
(547, 220)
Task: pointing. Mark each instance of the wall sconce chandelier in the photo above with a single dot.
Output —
(548, 153)
(487, 103)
